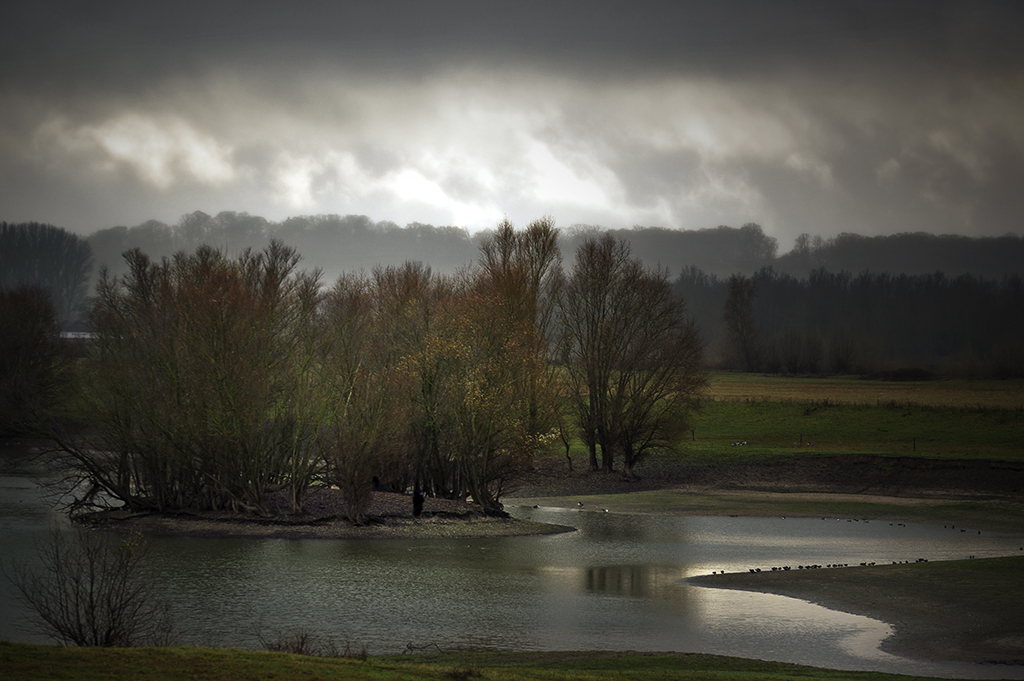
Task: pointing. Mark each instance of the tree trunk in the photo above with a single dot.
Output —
(628, 461)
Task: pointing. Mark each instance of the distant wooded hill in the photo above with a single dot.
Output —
(338, 244)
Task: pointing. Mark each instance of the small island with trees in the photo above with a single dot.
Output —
(244, 386)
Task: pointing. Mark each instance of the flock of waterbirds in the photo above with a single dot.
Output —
(784, 568)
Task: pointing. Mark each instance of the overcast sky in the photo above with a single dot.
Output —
(818, 117)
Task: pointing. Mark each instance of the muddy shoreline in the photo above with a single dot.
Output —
(389, 516)
(951, 611)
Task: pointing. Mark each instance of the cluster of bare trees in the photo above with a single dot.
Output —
(238, 383)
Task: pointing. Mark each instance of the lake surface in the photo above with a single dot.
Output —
(615, 584)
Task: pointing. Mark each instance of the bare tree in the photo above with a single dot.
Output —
(204, 388)
(408, 303)
(90, 589)
(585, 325)
(660, 372)
(633, 355)
(491, 365)
(522, 271)
(367, 396)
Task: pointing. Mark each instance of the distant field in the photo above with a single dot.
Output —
(964, 394)
(935, 419)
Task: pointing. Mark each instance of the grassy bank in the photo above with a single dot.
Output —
(754, 418)
(23, 662)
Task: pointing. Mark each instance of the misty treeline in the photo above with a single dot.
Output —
(879, 324)
(42, 254)
(238, 383)
(338, 244)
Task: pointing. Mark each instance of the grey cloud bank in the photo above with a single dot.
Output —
(804, 117)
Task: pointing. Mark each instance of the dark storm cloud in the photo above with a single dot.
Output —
(131, 42)
(803, 116)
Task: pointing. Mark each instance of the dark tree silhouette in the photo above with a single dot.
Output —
(34, 363)
(50, 257)
(739, 320)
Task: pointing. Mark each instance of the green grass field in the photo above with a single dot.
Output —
(26, 662)
(930, 419)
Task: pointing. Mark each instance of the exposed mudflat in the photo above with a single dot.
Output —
(389, 516)
(888, 476)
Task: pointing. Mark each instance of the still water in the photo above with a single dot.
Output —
(614, 584)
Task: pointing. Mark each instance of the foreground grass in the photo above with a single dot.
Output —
(19, 661)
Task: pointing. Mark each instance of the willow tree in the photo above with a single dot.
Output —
(482, 363)
(408, 310)
(366, 395)
(519, 274)
(204, 386)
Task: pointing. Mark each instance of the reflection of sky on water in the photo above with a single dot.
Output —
(705, 544)
(616, 584)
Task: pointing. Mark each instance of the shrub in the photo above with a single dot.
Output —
(89, 589)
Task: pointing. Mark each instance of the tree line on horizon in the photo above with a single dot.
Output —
(338, 244)
(870, 324)
(70, 265)
(949, 304)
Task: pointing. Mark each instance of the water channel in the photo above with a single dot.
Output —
(614, 584)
